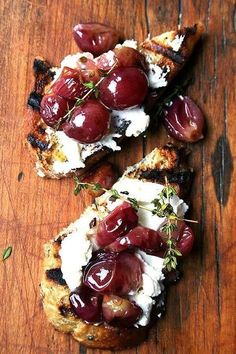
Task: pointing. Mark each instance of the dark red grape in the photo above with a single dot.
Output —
(52, 108)
(86, 303)
(116, 273)
(141, 237)
(95, 38)
(130, 57)
(120, 312)
(116, 224)
(184, 120)
(89, 122)
(185, 239)
(69, 85)
(125, 87)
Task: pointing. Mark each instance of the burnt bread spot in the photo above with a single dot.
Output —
(222, 168)
(34, 100)
(183, 178)
(37, 143)
(65, 311)
(55, 275)
(41, 66)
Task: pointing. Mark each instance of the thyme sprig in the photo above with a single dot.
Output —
(162, 208)
(93, 88)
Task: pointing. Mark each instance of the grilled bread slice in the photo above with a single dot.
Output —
(167, 161)
(165, 54)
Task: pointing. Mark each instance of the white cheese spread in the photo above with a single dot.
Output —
(176, 43)
(137, 120)
(76, 249)
(157, 75)
(151, 286)
(131, 43)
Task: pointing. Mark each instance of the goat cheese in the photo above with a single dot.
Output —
(67, 153)
(176, 43)
(157, 75)
(131, 43)
(151, 286)
(76, 249)
(137, 120)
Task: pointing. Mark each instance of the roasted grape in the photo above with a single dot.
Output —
(86, 303)
(52, 108)
(120, 312)
(69, 85)
(140, 237)
(184, 120)
(125, 87)
(89, 122)
(116, 273)
(130, 57)
(95, 38)
(116, 224)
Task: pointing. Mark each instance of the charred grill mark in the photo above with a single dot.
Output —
(176, 177)
(167, 52)
(37, 143)
(55, 275)
(34, 100)
(222, 168)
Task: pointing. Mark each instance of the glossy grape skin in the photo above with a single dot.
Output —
(95, 38)
(116, 224)
(112, 273)
(86, 304)
(52, 108)
(89, 122)
(184, 120)
(127, 56)
(184, 239)
(69, 85)
(140, 237)
(125, 87)
(120, 312)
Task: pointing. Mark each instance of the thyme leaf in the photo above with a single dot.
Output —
(6, 253)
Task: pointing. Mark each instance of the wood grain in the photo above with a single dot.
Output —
(201, 309)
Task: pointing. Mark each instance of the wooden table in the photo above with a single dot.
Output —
(201, 309)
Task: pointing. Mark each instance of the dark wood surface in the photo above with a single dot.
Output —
(201, 309)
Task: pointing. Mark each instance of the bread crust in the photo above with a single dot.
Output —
(160, 53)
(55, 293)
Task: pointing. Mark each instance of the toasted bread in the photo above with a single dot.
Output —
(166, 161)
(168, 52)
